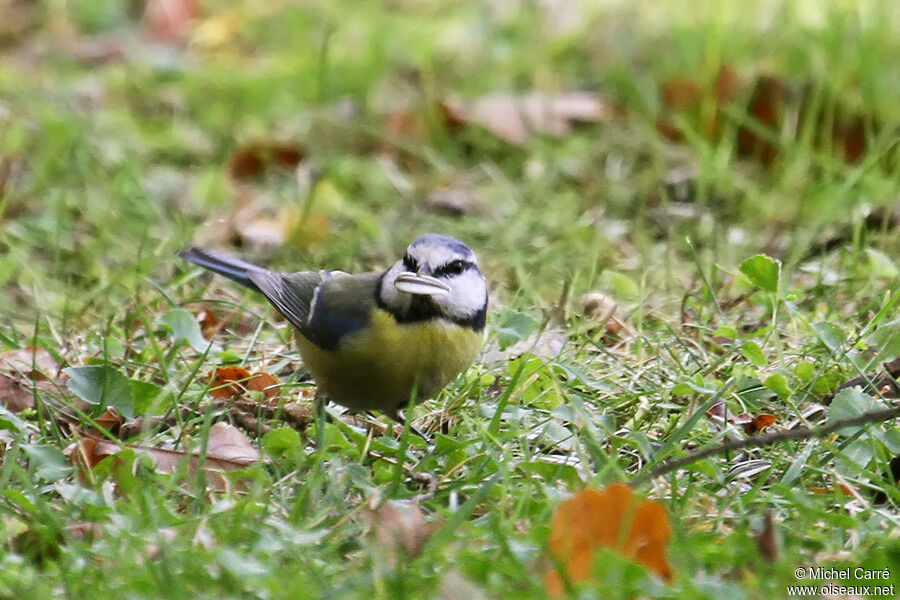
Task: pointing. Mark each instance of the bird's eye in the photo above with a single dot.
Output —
(452, 268)
(409, 263)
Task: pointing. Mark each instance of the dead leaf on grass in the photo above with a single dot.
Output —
(21, 371)
(233, 380)
(516, 119)
(171, 21)
(400, 528)
(253, 159)
(228, 449)
(610, 518)
(606, 312)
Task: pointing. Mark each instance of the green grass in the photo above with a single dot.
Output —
(119, 165)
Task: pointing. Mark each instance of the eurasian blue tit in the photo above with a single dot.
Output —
(371, 341)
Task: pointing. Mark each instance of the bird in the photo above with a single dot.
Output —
(378, 340)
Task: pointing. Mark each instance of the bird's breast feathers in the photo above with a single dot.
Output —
(379, 365)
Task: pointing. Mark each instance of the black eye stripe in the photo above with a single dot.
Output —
(453, 268)
(409, 263)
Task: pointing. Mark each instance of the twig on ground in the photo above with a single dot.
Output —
(758, 441)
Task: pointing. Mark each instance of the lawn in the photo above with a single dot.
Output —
(687, 216)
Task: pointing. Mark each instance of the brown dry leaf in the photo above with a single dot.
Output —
(31, 362)
(265, 383)
(597, 519)
(717, 410)
(767, 538)
(228, 449)
(20, 371)
(228, 443)
(254, 158)
(728, 84)
(209, 323)
(454, 200)
(680, 93)
(14, 394)
(222, 376)
(767, 105)
(403, 122)
(400, 529)
(753, 424)
(601, 308)
(171, 21)
(241, 379)
(849, 138)
(19, 17)
(515, 119)
(110, 420)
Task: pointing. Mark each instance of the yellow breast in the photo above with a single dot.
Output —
(378, 367)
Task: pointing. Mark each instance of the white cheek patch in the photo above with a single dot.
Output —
(389, 293)
(467, 297)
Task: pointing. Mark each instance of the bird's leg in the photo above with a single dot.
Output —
(319, 401)
(398, 417)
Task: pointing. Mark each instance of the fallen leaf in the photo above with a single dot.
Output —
(402, 122)
(767, 538)
(849, 138)
(265, 383)
(611, 518)
(171, 21)
(228, 443)
(717, 410)
(254, 158)
(728, 84)
(19, 18)
(515, 119)
(217, 30)
(241, 379)
(209, 323)
(601, 308)
(680, 93)
(753, 424)
(31, 362)
(15, 395)
(768, 102)
(228, 449)
(20, 372)
(223, 376)
(110, 420)
(453, 200)
(400, 529)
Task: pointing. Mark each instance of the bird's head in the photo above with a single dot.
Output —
(437, 277)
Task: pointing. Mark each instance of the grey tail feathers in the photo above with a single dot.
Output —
(227, 266)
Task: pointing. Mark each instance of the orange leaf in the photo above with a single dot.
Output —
(222, 376)
(758, 423)
(265, 383)
(243, 380)
(252, 159)
(611, 518)
(208, 322)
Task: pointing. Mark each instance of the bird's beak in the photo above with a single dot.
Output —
(420, 285)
